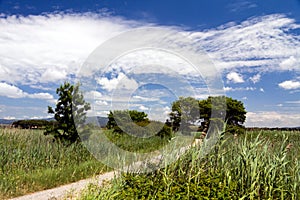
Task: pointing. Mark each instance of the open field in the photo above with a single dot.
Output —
(30, 161)
(257, 165)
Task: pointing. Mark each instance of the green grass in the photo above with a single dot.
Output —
(257, 165)
(30, 161)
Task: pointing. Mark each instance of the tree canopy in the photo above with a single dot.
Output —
(70, 109)
(189, 111)
(136, 123)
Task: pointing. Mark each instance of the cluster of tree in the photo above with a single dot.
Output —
(190, 111)
(136, 123)
(186, 113)
(32, 124)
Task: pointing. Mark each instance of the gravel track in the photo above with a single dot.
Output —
(61, 192)
(74, 189)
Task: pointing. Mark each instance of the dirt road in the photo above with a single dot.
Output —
(62, 191)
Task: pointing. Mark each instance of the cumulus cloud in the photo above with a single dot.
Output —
(143, 108)
(290, 85)
(146, 99)
(255, 78)
(227, 89)
(121, 81)
(235, 77)
(93, 95)
(289, 63)
(12, 91)
(51, 46)
(271, 119)
(101, 103)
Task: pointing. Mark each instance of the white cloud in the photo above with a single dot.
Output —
(53, 46)
(9, 118)
(143, 108)
(239, 89)
(235, 77)
(261, 89)
(255, 78)
(289, 85)
(12, 91)
(53, 75)
(101, 103)
(146, 99)
(251, 43)
(271, 119)
(47, 48)
(120, 82)
(159, 113)
(293, 102)
(41, 95)
(91, 95)
(289, 63)
(241, 5)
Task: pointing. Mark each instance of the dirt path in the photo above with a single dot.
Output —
(62, 191)
(74, 189)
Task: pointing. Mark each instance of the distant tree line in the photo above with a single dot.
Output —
(187, 112)
(33, 124)
(273, 129)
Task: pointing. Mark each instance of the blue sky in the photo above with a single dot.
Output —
(254, 45)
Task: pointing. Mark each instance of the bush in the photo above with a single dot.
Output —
(235, 129)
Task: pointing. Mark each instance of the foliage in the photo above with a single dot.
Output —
(235, 129)
(188, 111)
(39, 123)
(185, 111)
(70, 110)
(30, 162)
(251, 166)
(125, 116)
(120, 122)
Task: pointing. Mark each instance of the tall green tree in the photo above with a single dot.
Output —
(185, 112)
(190, 111)
(124, 117)
(121, 121)
(70, 109)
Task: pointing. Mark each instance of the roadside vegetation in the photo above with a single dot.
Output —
(256, 165)
(31, 161)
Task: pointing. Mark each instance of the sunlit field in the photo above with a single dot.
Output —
(30, 161)
(257, 165)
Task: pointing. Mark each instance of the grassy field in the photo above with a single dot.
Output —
(30, 161)
(257, 165)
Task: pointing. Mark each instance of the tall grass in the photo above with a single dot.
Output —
(257, 165)
(30, 161)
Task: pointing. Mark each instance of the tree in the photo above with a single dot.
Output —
(70, 110)
(121, 118)
(234, 116)
(185, 112)
(121, 121)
